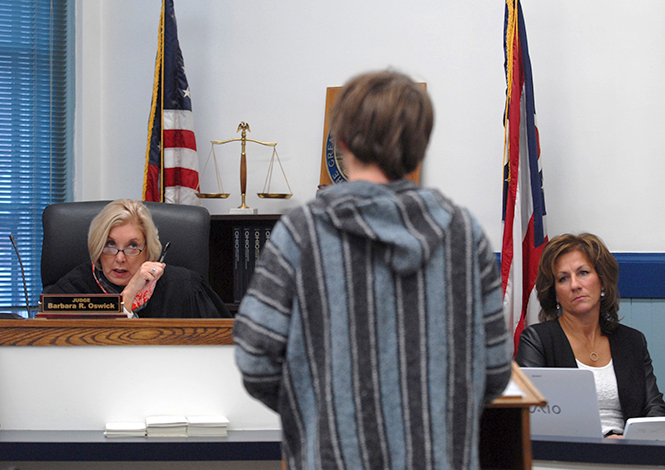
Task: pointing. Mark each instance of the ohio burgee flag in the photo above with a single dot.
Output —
(524, 229)
(172, 165)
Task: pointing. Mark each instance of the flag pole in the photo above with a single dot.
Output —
(161, 105)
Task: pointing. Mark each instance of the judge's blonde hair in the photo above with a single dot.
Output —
(121, 212)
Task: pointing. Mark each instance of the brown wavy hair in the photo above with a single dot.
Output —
(384, 118)
(604, 264)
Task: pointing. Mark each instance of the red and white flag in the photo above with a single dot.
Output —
(172, 164)
(524, 228)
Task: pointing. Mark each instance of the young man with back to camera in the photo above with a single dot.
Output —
(373, 324)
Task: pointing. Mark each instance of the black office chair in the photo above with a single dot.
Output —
(66, 226)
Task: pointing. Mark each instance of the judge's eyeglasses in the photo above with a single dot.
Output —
(128, 251)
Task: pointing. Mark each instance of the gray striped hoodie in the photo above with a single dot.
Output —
(373, 325)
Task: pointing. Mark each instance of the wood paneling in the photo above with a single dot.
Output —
(116, 332)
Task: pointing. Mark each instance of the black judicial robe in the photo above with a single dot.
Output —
(179, 293)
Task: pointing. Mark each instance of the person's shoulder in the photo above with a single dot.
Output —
(436, 201)
(543, 328)
(78, 280)
(298, 212)
(81, 268)
(628, 332)
(297, 218)
(174, 273)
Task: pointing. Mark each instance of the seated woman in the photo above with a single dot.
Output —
(124, 247)
(577, 289)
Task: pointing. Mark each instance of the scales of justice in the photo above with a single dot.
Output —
(265, 194)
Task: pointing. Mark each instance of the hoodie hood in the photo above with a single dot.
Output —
(410, 220)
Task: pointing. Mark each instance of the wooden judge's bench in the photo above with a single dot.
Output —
(60, 383)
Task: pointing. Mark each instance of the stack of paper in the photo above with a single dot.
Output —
(166, 426)
(132, 429)
(207, 425)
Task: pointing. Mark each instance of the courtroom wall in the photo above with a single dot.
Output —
(598, 69)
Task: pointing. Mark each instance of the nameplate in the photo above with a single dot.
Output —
(80, 306)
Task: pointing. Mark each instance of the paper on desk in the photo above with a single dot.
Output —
(207, 420)
(166, 426)
(513, 390)
(125, 429)
(207, 425)
(165, 421)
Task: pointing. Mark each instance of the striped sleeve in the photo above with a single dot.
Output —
(261, 326)
(497, 339)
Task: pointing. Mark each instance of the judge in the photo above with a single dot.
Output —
(124, 248)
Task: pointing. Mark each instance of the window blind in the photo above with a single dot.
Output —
(36, 116)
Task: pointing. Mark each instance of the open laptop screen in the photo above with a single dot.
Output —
(572, 404)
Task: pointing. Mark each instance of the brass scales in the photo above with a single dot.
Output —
(266, 193)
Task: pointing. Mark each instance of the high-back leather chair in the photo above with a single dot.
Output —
(66, 236)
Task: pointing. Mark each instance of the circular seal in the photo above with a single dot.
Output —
(334, 162)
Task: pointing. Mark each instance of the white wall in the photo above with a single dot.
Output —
(598, 68)
(94, 385)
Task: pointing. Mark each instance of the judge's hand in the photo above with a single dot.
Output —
(149, 272)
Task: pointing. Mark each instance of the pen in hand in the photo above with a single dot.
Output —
(163, 255)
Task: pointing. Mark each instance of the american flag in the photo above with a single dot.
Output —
(524, 229)
(172, 165)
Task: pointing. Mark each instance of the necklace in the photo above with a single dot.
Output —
(593, 355)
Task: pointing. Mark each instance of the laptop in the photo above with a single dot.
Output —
(572, 404)
(650, 429)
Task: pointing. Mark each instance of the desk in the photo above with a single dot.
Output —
(92, 446)
(505, 441)
(72, 375)
(116, 332)
(598, 451)
(48, 362)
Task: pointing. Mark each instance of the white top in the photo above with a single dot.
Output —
(611, 417)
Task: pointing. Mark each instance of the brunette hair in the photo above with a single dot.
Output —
(384, 118)
(604, 264)
(121, 212)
